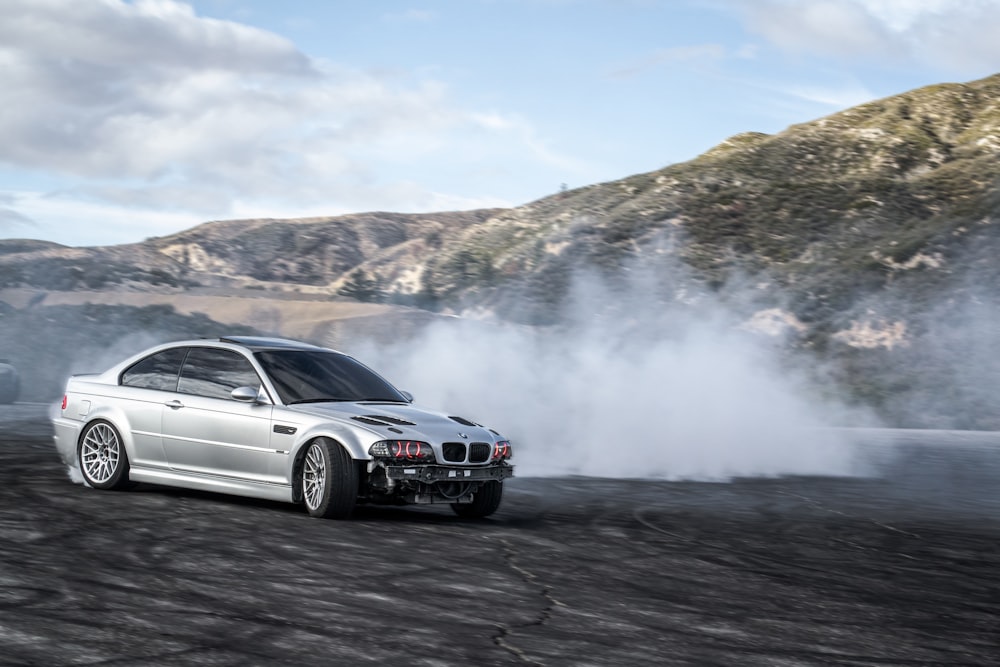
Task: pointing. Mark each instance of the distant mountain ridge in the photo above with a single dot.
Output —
(264, 252)
(905, 182)
(862, 231)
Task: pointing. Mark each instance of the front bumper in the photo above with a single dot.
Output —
(430, 474)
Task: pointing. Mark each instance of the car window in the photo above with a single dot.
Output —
(305, 375)
(157, 371)
(215, 373)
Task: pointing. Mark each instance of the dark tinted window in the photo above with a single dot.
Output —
(157, 371)
(215, 373)
(301, 376)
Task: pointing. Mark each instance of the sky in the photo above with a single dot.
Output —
(123, 121)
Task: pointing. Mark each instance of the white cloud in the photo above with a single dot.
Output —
(840, 27)
(901, 15)
(494, 121)
(77, 221)
(410, 16)
(836, 96)
(148, 105)
(14, 224)
(694, 55)
(955, 35)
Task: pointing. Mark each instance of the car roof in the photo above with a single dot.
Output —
(264, 343)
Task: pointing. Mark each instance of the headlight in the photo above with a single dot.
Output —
(402, 450)
(501, 450)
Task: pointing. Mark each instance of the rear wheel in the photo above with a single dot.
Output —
(329, 480)
(484, 503)
(103, 460)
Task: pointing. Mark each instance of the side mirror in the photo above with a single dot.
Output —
(245, 394)
(407, 395)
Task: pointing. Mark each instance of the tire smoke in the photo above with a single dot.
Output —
(629, 386)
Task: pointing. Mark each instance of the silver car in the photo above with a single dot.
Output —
(275, 419)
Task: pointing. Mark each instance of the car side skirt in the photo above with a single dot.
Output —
(237, 487)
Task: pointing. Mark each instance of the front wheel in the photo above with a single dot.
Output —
(329, 480)
(484, 502)
(103, 460)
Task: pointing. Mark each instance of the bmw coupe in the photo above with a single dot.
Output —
(275, 419)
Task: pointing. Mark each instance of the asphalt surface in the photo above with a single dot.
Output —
(902, 568)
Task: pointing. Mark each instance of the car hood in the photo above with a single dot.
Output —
(401, 421)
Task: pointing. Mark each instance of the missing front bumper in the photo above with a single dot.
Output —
(431, 474)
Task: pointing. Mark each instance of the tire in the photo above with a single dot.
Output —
(484, 503)
(329, 480)
(102, 457)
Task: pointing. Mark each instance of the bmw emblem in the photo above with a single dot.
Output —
(463, 435)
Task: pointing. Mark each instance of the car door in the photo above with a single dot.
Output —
(145, 386)
(206, 431)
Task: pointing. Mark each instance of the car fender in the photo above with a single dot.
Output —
(115, 416)
(355, 441)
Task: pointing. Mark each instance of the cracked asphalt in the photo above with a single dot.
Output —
(902, 568)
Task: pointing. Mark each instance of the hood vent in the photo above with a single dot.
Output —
(381, 420)
(463, 421)
(392, 420)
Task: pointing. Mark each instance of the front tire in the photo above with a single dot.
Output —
(484, 502)
(102, 457)
(329, 480)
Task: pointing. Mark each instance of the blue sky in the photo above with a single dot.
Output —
(125, 120)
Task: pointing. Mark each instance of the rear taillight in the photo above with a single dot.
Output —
(65, 400)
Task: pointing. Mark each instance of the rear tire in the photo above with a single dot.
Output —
(484, 503)
(329, 480)
(102, 457)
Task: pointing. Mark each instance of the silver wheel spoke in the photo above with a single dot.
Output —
(100, 453)
(313, 477)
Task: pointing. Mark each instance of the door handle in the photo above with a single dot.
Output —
(174, 404)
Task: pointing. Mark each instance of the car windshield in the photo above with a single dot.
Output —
(312, 376)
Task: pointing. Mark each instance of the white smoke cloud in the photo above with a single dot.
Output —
(634, 390)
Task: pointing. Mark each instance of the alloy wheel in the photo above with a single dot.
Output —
(314, 476)
(100, 453)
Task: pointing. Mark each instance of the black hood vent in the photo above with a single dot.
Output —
(381, 420)
(463, 421)
(392, 420)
